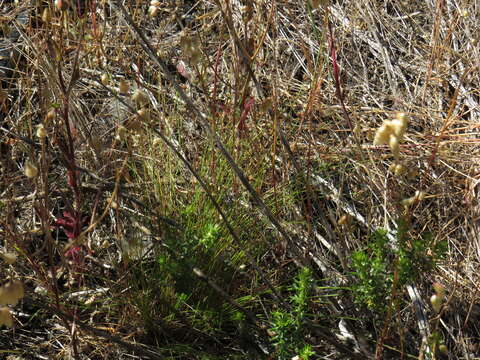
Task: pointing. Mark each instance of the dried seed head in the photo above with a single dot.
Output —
(9, 258)
(6, 317)
(394, 146)
(11, 292)
(123, 87)
(104, 79)
(153, 11)
(344, 220)
(399, 125)
(46, 16)
(382, 136)
(30, 170)
(41, 132)
(50, 116)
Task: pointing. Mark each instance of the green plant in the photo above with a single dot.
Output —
(375, 267)
(288, 326)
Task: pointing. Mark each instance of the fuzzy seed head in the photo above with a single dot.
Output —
(344, 220)
(11, 292)
(6, 317)
(41, 132)
(394, 146)
(9, 258)
(46, 16)
(30, 170)
(152, 11)
(382, 136)
(104, 79)
(50, 116)
(123, 87)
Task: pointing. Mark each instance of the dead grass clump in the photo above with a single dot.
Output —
(168, 168)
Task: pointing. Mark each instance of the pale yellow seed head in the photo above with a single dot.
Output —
(46, 16)
(399, 125)
(344, 220)
(394, 146)
(11, 292)
(50, 116)
(104, 79)
(9, 257)
(41, 132)
(153, 11)
(30, 170)
(382, 136)
(6, 317)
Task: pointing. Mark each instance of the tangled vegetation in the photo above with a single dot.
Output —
(239, 179)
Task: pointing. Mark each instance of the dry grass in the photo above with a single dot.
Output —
(258, 133)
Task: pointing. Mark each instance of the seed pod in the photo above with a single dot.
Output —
(123, 87)
(46, 16)
(153, 11)
(104, 79)
(394, 146)
(41, 132)
(30, 170)
(11, 292)
(6, 317)
(50, 116)
(9, 258)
